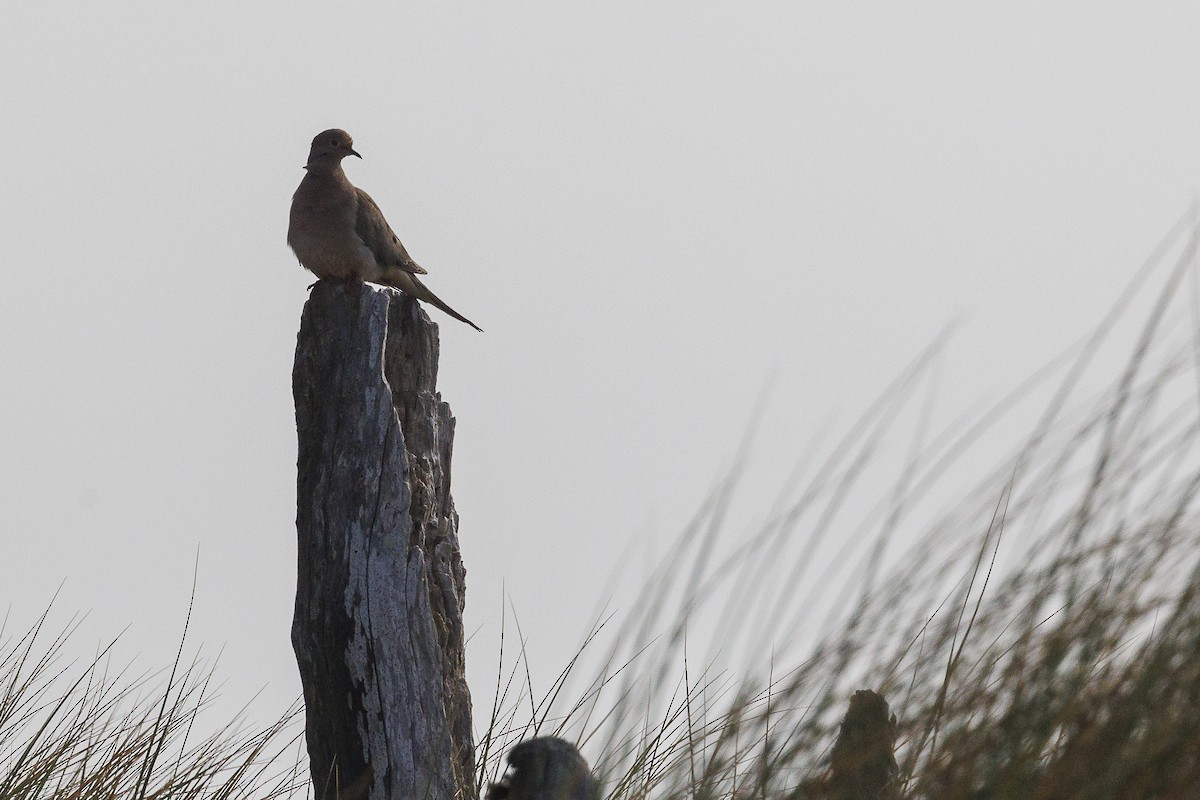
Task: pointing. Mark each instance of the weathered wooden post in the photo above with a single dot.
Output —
(380, 590)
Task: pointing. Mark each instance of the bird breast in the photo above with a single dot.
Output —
(321, 232)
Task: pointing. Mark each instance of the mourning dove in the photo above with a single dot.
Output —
(338, 232)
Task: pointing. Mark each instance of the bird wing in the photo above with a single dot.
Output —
(379, 238)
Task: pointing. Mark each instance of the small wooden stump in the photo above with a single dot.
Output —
(545, 768)
(863, 764)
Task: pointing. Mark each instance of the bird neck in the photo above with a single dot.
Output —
(326, 167)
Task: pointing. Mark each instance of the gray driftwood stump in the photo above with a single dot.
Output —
(378, 626)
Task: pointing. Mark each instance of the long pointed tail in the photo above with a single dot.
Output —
(411, 285)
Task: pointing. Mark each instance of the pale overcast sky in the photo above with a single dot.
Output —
(661, 214)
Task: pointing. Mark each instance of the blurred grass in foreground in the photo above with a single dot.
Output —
(1040, 640)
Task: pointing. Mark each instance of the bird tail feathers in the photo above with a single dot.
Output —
(411, 285)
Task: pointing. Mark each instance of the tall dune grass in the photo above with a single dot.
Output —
(92, 731)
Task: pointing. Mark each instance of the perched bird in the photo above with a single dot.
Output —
(338, 232)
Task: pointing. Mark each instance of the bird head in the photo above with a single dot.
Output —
(330, 147)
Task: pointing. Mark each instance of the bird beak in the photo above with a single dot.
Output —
(352, 152)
